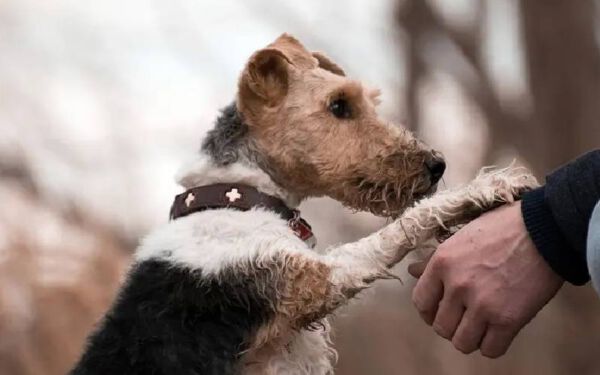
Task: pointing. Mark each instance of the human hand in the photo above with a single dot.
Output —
(485, 283)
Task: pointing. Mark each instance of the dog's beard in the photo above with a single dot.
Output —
(388, 184)
(386, 198)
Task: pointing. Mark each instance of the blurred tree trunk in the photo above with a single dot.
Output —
(563, 66)
(563, 73)
(415, 17)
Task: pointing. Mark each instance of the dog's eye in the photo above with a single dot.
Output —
(340, 108)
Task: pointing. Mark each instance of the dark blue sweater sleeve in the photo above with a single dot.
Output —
(557, 215)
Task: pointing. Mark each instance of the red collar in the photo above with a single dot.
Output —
(243, 198)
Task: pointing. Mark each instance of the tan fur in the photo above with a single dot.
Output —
(304, 289)
(304, 297)
(326, 64)
(363, 161)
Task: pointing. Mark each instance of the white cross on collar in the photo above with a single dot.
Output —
(189, 199)
(233, 195)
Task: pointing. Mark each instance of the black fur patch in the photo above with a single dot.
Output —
(229, 142)
(168, 320)
(224, 141)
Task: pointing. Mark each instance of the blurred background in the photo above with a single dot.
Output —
(101, 101)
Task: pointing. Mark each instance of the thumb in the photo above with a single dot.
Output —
(417, 269)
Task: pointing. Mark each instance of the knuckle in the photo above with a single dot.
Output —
(463, 347)
(440, 262)
(461, 286)
(441, 330)
(505, 321)
(483, 307)
(427, 317)
(492, 353)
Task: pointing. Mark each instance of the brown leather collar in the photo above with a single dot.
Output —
(241, 197)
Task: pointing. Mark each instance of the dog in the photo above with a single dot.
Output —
(231, 285)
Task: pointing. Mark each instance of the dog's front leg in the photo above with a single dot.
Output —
(336, 276)
(357, 264)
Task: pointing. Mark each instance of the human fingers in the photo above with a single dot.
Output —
(497, 340)
(427, 294)
(417, 269)
(449, 314)
(470, 332)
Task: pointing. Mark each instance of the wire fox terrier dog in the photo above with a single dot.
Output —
(231, 284)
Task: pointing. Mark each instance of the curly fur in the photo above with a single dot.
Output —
(376, 187)
(225, 141)
(230, 292)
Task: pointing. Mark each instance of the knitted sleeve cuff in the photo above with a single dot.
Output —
(549, 240)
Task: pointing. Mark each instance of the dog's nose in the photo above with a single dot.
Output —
(436, 166)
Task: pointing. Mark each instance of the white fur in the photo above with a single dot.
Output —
(305, 353)
(200, 170)
(216, 239)
(213, 240)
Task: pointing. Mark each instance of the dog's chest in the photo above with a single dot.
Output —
(226, 242)
(304, 353)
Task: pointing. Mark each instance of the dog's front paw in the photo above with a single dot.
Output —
(490, 189)
(494, 187)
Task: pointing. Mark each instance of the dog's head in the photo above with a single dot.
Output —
(318, 133)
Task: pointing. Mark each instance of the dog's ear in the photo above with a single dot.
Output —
(327, 64)
(264, 81)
